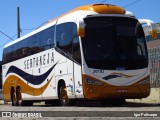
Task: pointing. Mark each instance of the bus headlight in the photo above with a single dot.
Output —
(94, 82)
(145, 81)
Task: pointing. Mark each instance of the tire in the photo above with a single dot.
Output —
(21, 102)
(13, 99)
(63, 98)
(19, 97)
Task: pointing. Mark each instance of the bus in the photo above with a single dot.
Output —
(93, 52)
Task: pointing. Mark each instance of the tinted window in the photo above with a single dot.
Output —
(20, 49)
(64, 37)
(41, 41)
(114, 43)
(46, 39)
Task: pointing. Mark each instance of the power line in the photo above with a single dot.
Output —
(9, 40)
(6, 35)
(131, 3)
(103, 1)
(36, 27)
(21, 29)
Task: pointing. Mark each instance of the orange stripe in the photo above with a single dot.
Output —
(14, 81)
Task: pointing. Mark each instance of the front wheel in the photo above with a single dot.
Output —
(63, 97)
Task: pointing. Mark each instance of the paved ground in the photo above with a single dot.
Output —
(83, 110)
(133, 109)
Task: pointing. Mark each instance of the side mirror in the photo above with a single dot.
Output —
(81, 29)
(81, 32)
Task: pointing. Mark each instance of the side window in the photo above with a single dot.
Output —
(16, 52)
(5, 51)
(10, 54)
(32, 43)
(76, 50)
(64, 37)
(46, 39)
(49, 38)
(19, 49)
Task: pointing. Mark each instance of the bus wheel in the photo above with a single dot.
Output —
(19, 97)
(13, 98)
(64, 100)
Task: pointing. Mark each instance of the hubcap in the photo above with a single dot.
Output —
(64, 95)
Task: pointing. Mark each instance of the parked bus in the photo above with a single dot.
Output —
(94, 52)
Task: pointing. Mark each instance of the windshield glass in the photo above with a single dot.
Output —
(114, 43)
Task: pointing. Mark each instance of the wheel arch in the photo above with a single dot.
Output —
(60, 82)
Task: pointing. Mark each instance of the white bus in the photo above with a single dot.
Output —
(94, 52)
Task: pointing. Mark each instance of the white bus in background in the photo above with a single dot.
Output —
(94, 52)
(152, 27)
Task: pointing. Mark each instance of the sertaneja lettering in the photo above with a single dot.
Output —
(41, 60)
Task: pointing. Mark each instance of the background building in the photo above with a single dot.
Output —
(154, 55)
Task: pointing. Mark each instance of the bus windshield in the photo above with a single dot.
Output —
(114, 43)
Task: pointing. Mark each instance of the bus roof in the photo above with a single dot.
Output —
(98, 8)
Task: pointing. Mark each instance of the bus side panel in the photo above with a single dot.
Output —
(50, 92)
(78, 81)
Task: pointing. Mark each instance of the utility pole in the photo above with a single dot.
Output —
(18, 22)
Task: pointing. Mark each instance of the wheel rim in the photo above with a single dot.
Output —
(64, 95)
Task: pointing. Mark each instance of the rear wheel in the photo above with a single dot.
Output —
(19, 97)
(21, 102)
(13, 98)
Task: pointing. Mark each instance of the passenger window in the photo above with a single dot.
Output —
(32, 45)
(64, 37)
(46, 39)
